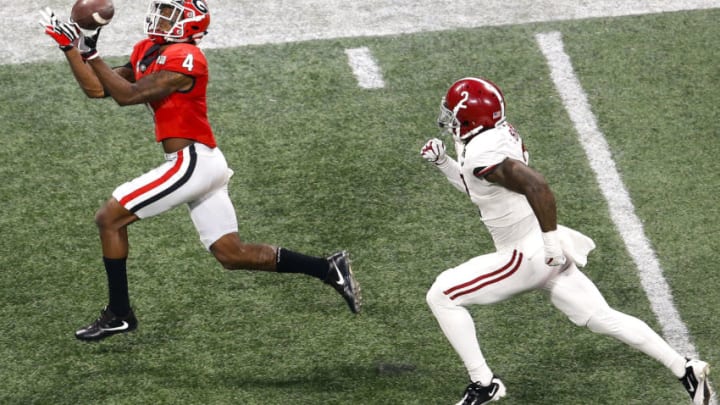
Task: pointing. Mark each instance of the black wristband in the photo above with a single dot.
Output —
(66, 48)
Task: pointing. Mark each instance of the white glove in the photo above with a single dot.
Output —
(554, 255)
(434, 151)
(63, 33)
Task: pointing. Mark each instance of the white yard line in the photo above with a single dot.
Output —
(249, 22)
(620, 204)
(365, 69)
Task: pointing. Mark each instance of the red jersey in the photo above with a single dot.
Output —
(182, 114)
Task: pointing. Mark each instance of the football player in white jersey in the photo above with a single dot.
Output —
(532, 250)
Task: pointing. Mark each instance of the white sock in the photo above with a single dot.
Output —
(678, 367)
(459, 328)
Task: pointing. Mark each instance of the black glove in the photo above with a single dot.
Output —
(87, 43)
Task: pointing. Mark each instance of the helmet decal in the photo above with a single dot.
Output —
(471, 106)
(461, 104)
(201, 6)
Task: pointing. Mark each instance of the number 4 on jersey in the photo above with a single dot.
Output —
(188, 62)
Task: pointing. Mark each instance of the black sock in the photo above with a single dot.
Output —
(293, 262)
(117, 286)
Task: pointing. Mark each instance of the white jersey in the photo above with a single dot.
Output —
(507, 214)
(519, 264)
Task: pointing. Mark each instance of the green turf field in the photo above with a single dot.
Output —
(320, 165)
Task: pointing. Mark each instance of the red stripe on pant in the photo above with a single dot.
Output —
(503, 272)
(148, 187)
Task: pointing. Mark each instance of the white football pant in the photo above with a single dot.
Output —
(495, 277)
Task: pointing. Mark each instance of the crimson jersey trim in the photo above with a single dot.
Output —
(483, 171)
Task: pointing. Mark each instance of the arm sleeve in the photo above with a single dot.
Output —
(451, 169)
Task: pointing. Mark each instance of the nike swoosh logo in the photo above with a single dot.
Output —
(124, 326)
(493, 390)
(691, 384)
(341, 279)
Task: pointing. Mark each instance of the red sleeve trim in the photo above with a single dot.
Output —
(481, 172)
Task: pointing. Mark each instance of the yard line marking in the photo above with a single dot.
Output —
(365, 69)
(621, 208)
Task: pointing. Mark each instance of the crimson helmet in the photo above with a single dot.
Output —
(471, 106)
(177, 20)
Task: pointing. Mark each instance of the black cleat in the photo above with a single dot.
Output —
(342, 279)
(476, 394)
(107, 325)
(696, 383)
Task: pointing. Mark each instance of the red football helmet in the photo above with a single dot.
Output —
(471, 106)
(177, 20)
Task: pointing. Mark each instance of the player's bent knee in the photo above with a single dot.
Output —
(435, 297)
(103, 218)
(100, 218)
(112, 215)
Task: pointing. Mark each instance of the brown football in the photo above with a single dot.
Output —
(90, 14)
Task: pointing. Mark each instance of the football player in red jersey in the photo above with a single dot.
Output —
(168, 72)
(532, 250)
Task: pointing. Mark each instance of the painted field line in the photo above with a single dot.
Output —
(366, 70)
(622, 210)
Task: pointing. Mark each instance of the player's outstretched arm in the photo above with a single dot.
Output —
(67, 36)
(120, 84)
(520, 178)
(152, 87)
(84, 75)
(517, 176)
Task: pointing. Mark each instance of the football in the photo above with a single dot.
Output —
(91, 14)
